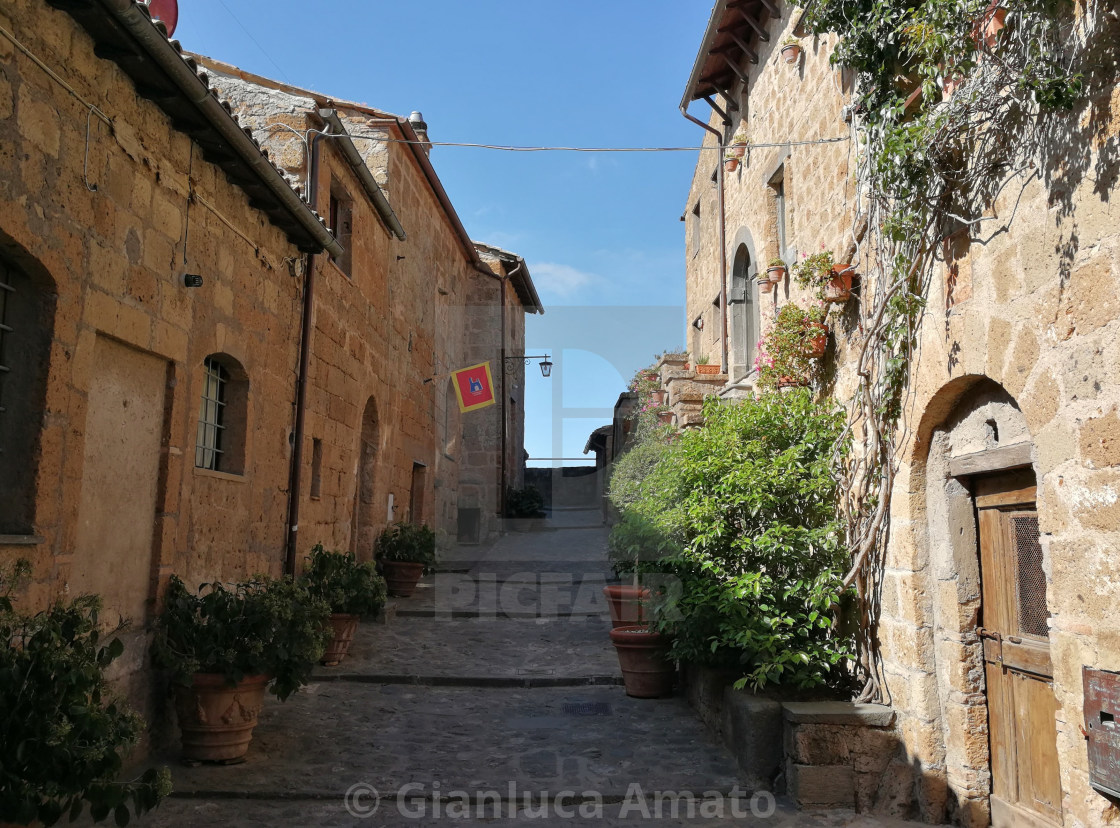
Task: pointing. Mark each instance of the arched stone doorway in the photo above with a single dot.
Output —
(743, 309)
(988, 583)
(365, 489)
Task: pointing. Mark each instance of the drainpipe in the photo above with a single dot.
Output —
(296, 472)
(505, 393)
(722, 232)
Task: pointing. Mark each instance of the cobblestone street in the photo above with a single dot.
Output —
(497, 681)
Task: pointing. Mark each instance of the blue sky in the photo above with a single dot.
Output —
(598, 231)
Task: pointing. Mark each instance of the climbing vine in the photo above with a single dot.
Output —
(953, 101)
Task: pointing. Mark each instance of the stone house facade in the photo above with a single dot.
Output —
(1004, 507)
(159, 414)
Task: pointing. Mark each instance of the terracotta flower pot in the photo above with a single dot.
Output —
(839, 287)
(739, 150)
(707, 369)
(625, 604)
(816, 340)
(659, 397)
(730, 164)
(402, 576)
(343, 626)
(764, 283)
(647, 671)
(792, 382)
(791, 53)
(666, 417)
(776, 275)
(216, 721)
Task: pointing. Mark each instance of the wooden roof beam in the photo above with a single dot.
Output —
(722, 113)
(751, 54)
(771, 7)
(734, 67)
(759, 29)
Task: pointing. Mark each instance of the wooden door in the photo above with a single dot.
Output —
(1026, 788)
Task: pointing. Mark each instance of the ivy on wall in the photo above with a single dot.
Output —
(954, 101)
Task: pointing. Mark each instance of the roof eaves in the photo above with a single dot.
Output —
(125, 31)
(522, 280)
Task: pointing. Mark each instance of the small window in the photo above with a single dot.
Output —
(316, 468)
(26, 324)
(694, 228)
(220, 442)
(341, 218)
(778, 185)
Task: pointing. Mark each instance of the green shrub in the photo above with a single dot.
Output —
(408, 543)
(524, 503)
(264, 626)
(347, 586)
(64, 738)
(745, 508)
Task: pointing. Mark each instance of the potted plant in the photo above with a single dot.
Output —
(524, 509)
(703, 366)
(405, 550)
(664, 415)
(643, 655)
(791, 50)
(816, 332)
(350, 589)
(730, 162)
(224, 645)
(775, 271)
(782, 360)
(65, 737)
(738, 146)
(830, 282)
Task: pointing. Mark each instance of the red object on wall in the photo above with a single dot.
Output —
(474, 386)
(167, 11)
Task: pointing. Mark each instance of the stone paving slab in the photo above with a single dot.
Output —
(332, 813)
(570, 545)
(474, 649)
(516, 593)
(333, 735)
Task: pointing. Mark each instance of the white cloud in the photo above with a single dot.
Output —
(560, 279)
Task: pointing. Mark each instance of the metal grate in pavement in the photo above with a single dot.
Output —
(587, 708)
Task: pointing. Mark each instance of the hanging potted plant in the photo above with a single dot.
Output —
(738, 146)
(65, 737)
(405, 550)
(829, 281)
(782, 361)
(791, 50)
(730, 162)
(816, 332)
(776, 271)
(664, 415)
(350, 589)
(224, 646)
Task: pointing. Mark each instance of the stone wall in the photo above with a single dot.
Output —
(1022, 323)
(119, 504)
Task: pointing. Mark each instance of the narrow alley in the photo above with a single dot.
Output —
(496, 681)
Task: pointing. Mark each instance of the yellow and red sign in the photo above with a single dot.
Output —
(474, 387)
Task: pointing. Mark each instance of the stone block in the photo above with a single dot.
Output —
(838, 713)
(754, 734)
(822, 786)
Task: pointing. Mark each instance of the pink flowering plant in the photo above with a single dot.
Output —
(782, 356)
(815, 271)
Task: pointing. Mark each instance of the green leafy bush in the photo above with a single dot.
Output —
(408, 543)
(344, 584)
(64, 738)
(524, 503)
(742, 512)
(264, 626)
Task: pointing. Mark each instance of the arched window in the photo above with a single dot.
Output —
(745, 317)
(222, 416)
(26, 326)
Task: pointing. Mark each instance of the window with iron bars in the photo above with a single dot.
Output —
(212, 416)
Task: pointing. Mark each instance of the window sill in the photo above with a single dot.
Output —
(21, 540)
(218, 475)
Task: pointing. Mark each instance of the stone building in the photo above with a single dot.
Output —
(413, 300)
(160, 410)
(999, 579)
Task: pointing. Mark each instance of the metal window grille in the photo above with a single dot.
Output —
(1033, 614)
(5, 331)
(211, 416)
